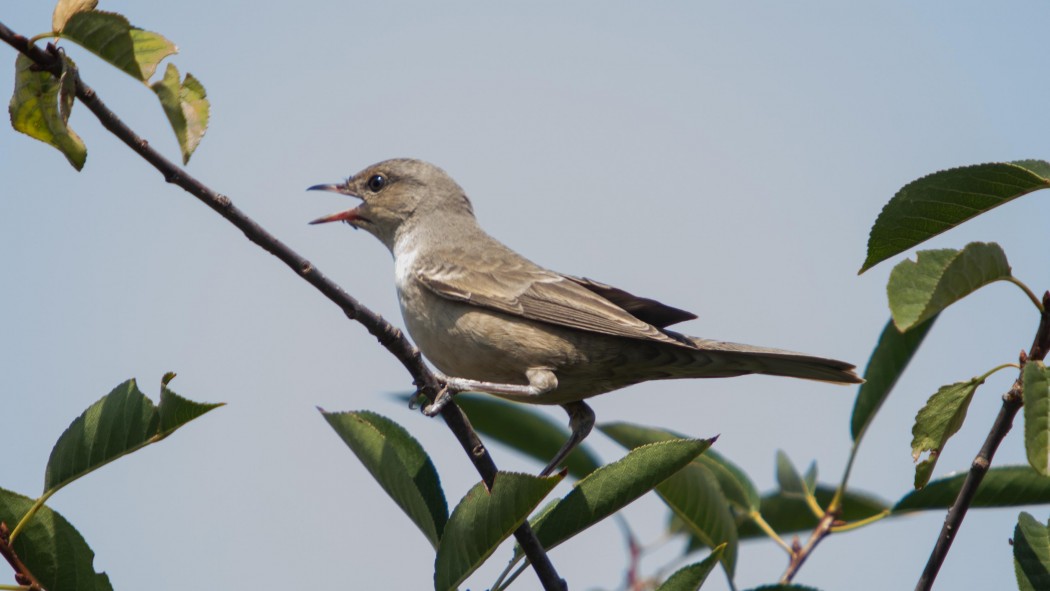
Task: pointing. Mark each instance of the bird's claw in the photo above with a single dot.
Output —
(440, 401)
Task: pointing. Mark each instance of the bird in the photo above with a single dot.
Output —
(490, 320)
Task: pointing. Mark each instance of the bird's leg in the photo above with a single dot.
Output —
(541, 381)
(581, 420)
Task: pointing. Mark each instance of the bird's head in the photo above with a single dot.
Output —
(396, 194)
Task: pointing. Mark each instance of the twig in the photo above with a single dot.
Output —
(1012, 402)
(388, 336)
(799, 554)
(22, 574)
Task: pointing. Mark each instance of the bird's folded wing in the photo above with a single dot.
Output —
(541, 296)
(651, 311)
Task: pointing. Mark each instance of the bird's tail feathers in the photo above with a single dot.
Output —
(741, 359)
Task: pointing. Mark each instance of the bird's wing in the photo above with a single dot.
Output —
(520, 288)
(651, 311)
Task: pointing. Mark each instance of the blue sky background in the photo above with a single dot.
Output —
(726, 158)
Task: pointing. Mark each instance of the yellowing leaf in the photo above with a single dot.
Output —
(67, 8)
(187, 107)
(40, 107)
(111, 37)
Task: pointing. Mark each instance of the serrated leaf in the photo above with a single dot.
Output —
(920, 290)
(1006, 486)
(1031, 554)
(111, 37)
(936, 422)
(788, 513)
(692, 577)
(121, 422)
(399, 464)
(175, 411)
(736, 486)
(186, 106)
(67, 8)
(51, 548)
(696, 497)
(612, 487)
(40, 108)
(1036, 383)
(933, 204)
(888, 361)
(525, 430)
(482, 520)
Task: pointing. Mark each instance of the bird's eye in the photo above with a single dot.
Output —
(376, 183)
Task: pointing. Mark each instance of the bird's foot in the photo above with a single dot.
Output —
(440, 402)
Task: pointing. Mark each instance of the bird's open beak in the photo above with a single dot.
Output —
(344, 216)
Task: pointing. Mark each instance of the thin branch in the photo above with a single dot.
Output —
(23, 576)
(1012, 402)
(799, 554)
(388, 336)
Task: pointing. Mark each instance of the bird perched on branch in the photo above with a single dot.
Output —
(492, 321)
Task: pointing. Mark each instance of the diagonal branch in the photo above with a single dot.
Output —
(800, 553)
(388, 335)
(1012, 403)
(22, 574)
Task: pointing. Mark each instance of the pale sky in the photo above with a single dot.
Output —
(725, 158)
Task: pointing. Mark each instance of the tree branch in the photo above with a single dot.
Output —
(1012, 402)
(388, 335)
(799, 554)
(22, 574)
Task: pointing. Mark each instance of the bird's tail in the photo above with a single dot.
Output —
(739, 359)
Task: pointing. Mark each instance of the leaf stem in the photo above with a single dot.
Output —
(861, 522)
(1031, 295)
(814, 506)
(760, 521)
(836, 501)
(29, 514)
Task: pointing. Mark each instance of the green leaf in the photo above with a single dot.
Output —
(691, 577)
(936, 422)
(790, 481)
(187, 107)
(525, 430)
(40, 108)
(789, 513)
(736, 486)
(810, 477)
(612, 487)
(51, 548)
(938, 278)
(696, 497)
(67, 8)
(1006, 486)
(111, 37)
(482, 520)
(121, 422)
(945, 199)
(399, 464)
(888, 361)
(175, 411)
(1031, 554)
(1036, 382)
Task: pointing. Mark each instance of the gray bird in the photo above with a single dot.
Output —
(492, 321)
